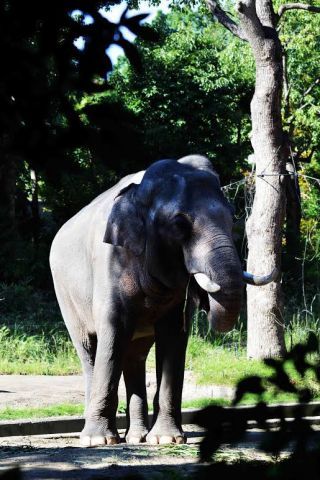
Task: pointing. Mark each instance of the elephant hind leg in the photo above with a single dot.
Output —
(84, 342)
(134, 372)
(87, 354)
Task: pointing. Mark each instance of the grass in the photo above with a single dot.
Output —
(219, 366)
(38, 354)
(33, 338)
(65, 409)
(70, 409)
(53, 354)
(30, 345)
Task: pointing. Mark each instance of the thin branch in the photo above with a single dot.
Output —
(311, 87)
(225, 20)
(302, 105)
(297, 6)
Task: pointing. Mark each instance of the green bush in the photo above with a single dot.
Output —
(29, 310)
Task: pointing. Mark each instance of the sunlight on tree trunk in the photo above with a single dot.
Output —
(258, 26)
(264, 226)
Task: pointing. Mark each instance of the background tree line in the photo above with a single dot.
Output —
(67, 135)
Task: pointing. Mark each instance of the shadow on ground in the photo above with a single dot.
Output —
(49, 458)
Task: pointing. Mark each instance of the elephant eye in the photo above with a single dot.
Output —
(181, 226)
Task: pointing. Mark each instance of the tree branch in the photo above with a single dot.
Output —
(225, 20)
(286, 86)
(250, 22)
(311, 87)
(302, 105)
(297, 6)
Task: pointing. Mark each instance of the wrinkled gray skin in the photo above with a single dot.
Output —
(121, 267)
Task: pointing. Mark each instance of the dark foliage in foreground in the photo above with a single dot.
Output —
(223, 426)
(295, 435)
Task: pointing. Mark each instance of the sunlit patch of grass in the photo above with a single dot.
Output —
(205, 402)
(219, 366)
(64, 409)
(174, 450)
(49, 353)
(59, 410)
(213, 365)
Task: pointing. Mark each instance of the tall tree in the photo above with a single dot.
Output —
(258, 25)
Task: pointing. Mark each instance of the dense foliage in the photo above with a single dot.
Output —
(194, 93)
(51, 151)
(300, 35)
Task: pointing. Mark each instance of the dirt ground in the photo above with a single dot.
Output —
(59, 457)
(56, 457)
(41, 390)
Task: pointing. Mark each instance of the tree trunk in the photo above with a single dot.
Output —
(8, 173)
(35, 211)
(257, 26)
(293, 257)
(264, 227)
(8, 227)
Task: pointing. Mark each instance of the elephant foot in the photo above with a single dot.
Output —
(96, 436)
(97, 441)
(166, 435)
(166, 439)
(136, 435)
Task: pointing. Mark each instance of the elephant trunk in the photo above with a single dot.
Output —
(225, 304)
(224, 310)
(218, 271)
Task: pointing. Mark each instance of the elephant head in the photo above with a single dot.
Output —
(178, 222)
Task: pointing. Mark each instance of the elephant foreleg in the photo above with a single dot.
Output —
(171, 343)
(134, 372)
(100, 424)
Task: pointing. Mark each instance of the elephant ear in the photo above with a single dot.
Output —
(125, 227)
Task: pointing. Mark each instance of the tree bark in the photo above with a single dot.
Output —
(264, 226)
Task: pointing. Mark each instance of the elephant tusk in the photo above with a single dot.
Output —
(263, 280)
(204, 282)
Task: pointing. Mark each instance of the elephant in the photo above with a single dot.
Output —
(129, 270)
